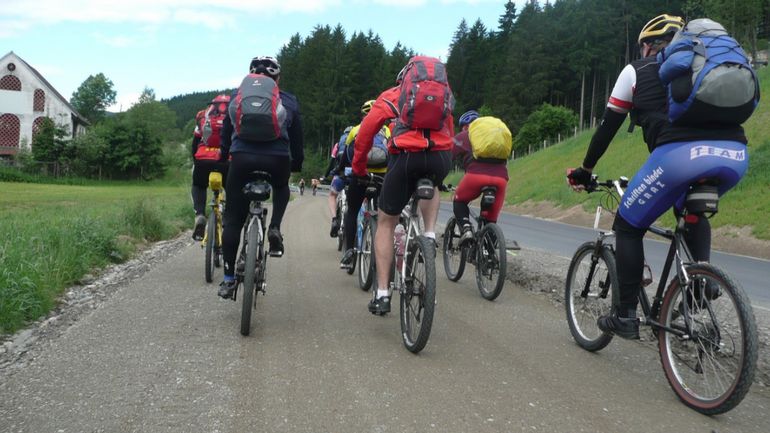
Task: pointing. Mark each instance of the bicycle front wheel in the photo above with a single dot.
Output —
(454, 256)
(710, 361)
(366, 266)
(418, 296)
(211, 237)
(249, 279)
(491, 262)
(588, 294)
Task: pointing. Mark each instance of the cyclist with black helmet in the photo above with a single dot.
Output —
(665, 177)
(278, 157)
(478, 174)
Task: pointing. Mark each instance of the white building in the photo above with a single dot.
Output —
(26, 98)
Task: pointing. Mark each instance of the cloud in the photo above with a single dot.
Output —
(117, 41)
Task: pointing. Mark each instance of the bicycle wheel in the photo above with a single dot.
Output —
(588, 294)
(341, 230)
(454, 256)
(211, 236)
(418, 297)
(710, 366)
(218, 241)
(366, 266)
(249, 279)
(491, 262)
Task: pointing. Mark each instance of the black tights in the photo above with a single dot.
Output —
(630, 257)
(237, 207)
(356, 194)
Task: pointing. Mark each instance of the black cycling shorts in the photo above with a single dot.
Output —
(201, 170)
(404, 170)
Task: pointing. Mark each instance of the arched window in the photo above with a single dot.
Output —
(39, 102)
(9, 130)
(37, 124)
(9, 82)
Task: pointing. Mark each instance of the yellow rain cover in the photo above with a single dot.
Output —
(490, 138)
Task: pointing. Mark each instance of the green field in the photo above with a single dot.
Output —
(52, 235)
(541, 176)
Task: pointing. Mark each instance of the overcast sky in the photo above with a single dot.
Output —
(181, 46)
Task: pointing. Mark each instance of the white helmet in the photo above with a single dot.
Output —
(265, 65)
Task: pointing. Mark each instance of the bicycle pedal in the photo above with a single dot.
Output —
(276, 253)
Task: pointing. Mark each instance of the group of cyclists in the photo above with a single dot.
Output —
(416, 151)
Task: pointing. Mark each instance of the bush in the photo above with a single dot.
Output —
(547, 123)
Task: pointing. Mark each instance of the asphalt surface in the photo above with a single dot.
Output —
(563, 239)
(164, 354)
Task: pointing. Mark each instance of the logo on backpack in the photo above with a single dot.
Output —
(425, 103)
(708, 77)
(257, 112)
(491, 139)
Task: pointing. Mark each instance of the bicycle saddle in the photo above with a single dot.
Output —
(425, 189)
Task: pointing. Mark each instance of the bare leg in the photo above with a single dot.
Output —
(332, 202)
(429, 210)
(383, 247)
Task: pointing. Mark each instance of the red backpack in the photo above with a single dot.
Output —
(210, 126)
(257, 112)
(425, 105)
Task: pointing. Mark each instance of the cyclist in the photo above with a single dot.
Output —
(414, 154)
(205, 153)
(279, 158)
(301, 186)
(478, 174)
(356, 190)
(664, 179)
(338, 182)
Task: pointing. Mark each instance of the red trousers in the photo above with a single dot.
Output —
(470, 189)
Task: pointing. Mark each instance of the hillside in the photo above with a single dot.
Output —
(540, 176)
(185, 106)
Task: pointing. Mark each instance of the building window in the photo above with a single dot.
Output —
(9, 82)
(9, 130)
(38, 123)
(39, 102)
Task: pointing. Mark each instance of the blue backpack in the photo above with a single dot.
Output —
(378, 155)
(708, 77)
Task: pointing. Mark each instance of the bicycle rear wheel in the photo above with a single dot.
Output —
(491, 262)
(418, 296)
(211, 236)
(588, 294)
(454, 256)
(250, 278)
(366, 264)
(711, 366)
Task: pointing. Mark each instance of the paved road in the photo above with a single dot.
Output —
(563, 239)
(164, 355)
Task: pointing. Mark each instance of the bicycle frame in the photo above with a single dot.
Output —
(217, 205)
(408, 218)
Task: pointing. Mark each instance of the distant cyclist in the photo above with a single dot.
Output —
(415, 153)
(337, 183)
(279, 157)
(301, 186)
(669, 170)
(206, 155)
(357, 190)
(479, 173)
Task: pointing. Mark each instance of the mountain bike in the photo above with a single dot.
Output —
(251, 265)
(342, 207)
(414, 272)
(703, 321)
(212, 237)
(367, 227)
(487, 250)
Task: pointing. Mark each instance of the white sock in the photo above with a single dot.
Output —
(430, 235)
(381, 293)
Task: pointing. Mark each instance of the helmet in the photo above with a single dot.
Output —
(660, 26)
(265, 65)
(468, 117)
(367, 106)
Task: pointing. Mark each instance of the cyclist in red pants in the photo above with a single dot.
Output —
(478, 174)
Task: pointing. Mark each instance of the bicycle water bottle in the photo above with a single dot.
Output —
(400, 243)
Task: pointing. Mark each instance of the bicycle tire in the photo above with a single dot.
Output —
(366, 264)
(714, 339)
(597, 302)
(451, 251)
(341, 229)
(211, 236)
(491, 257)
(249, 280)
(417, 317)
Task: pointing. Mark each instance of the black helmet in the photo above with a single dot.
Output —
(265, 65)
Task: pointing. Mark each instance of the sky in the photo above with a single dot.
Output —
(183, 46)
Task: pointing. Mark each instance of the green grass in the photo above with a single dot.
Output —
(52, 235)
(541, 176)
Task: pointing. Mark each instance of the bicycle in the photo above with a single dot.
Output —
(342, 207)
(251, 265)
(487, 250)
(413, 273)
(212, 237)
(302, 189)
(703, 320)
(367, 227)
